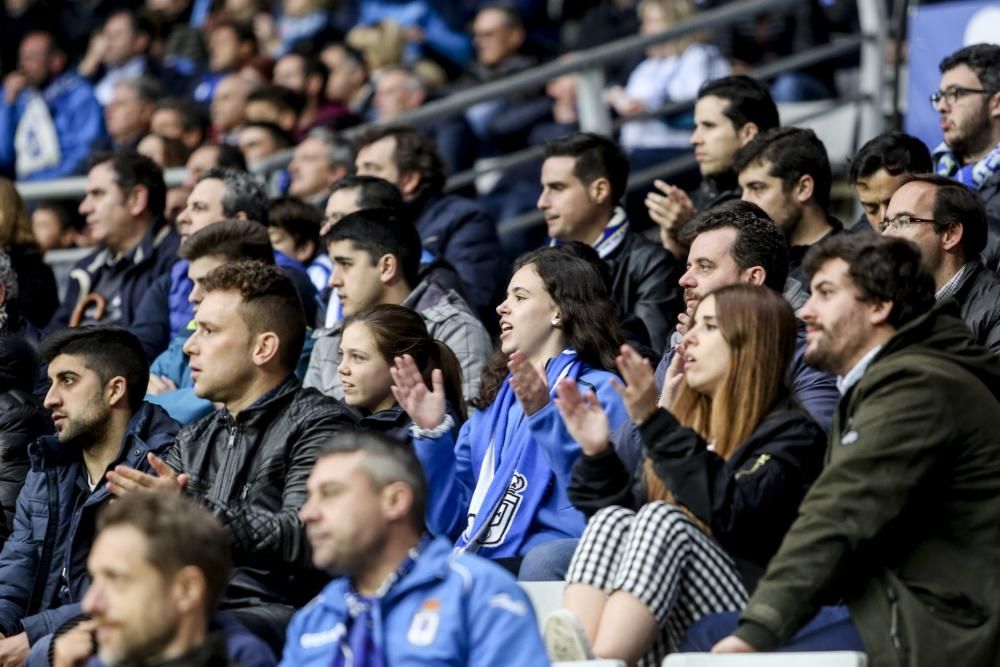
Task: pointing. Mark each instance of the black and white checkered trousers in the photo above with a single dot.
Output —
(659, 556)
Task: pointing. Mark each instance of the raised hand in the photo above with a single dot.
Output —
(159, 384)
(426, 407)
(672, 380)
(584, 417)
(75, 646)
(124, 480)
(528, 383)
(671, 209)
(639, 391)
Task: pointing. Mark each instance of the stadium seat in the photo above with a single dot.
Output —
(816, 659)
(545, 596)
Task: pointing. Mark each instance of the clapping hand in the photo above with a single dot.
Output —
(528, 383)
(426, 407)
(584, 417)
(639, 391)
(124, 480)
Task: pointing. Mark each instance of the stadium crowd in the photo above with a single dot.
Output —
(331, 417)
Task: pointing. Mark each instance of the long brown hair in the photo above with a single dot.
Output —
(15, 225)
(759, 327)
(398, 331)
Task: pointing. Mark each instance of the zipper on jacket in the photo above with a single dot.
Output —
(757, 465)
(232, 436)
(897, 641)
(246, 490)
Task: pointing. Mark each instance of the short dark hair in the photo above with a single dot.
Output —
(793, 153)
(233, 240)
(132, 169)
(510, 12)
(147, 89)
(983, 59)
(386, 461)
(956, 203)
(270, 303)
(301, 220)
(179, 533)
(382, 231)
(244, 193)
(595, 157)
(896, 152)
(193, 116)
(882, 269)
(373, 192)
(758, 242)
(285, 99)
(413, 152)
(109, 352)
(282, 139)
(749, 101)
(230, 157)
(244, 31)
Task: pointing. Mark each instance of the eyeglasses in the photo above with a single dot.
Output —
(953, 94)
(901, 221)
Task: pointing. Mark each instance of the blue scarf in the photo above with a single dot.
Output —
(358, 647)
(973, 176)
(521, 476)
(611, 237)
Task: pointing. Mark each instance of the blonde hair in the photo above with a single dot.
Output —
(759, 327)
(15, 224)
(381, 44)
(675, 11)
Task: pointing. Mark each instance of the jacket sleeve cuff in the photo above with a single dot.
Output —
(759, 637)
(661, 421)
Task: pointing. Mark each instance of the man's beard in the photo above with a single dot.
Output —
(975, 137)
(88, 429)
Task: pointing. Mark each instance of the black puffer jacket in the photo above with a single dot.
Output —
(990, 193)
(978, 299)
(251, 471)
(22, 421)
(748, 502)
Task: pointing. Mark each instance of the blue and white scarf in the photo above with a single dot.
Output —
(973, 176)
(513, 472)
(611, 237)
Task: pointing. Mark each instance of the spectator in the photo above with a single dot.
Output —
(117, 52)
(258, 140)
(348, 80)
(180, 119)
(468, 611)
(210, 156)
(897, 354)
(583, 182)
(691, 530)
(275, 104)
(382, 44)
(39, 297)
(124, 210)
(231, 45)
(353, 193)
(220, 194)
(968, 101)
(168, 154)
(55, 225)
(947, 222)
(672, 71)
(11, 322)
(250, 332)
(319, 161)
(49, 118)
(786, 172)
(98, 377)
(308, 76)
(451, 227)
(170, 383)
(300, 20)
(728, 114)
(23, 420)
(149, 547)
(376, 256)
(128, 113)
(293, 226)
(879, 168)
(427, 34)
(228, 108)
(558, 317)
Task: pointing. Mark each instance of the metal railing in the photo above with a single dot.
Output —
(586, 63)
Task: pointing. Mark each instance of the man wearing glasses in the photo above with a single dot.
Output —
(947, 222)
(969, 105)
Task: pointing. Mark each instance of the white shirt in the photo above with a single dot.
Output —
(845, 382)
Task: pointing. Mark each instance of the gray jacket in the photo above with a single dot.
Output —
(448, 320)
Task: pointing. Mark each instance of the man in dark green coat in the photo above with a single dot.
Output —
(903, 525)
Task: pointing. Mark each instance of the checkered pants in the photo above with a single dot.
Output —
(662, 558)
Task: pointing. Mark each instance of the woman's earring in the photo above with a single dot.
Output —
(555, 321)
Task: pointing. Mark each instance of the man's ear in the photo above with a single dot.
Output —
(397, 500)
(993, 106)
(189, 589)
(116, 391)
(804, 189)
(409, 182)
(599, 191)
(389, 270)
(305, 252)
(137, 200)
(755, 275)
(952, 236)
(265, 348)
(747, 132)
(879, 312)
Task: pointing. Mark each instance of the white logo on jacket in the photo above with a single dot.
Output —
(316, 639)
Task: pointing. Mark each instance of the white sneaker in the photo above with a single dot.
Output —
(564, 637)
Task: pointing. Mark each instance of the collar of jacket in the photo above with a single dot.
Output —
(919, 329)
(154, 237)
(280, 394)
(147, 431)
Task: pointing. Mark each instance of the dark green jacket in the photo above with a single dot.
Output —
(904, 522)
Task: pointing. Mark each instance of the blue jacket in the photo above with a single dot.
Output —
(78, 120)
(165, 311)
(43, 572)
(156, 253)
(460, 231)
(439, 37)
(449, 610)
(556, 517)
(182, 404)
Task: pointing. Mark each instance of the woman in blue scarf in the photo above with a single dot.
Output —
(514, 457)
